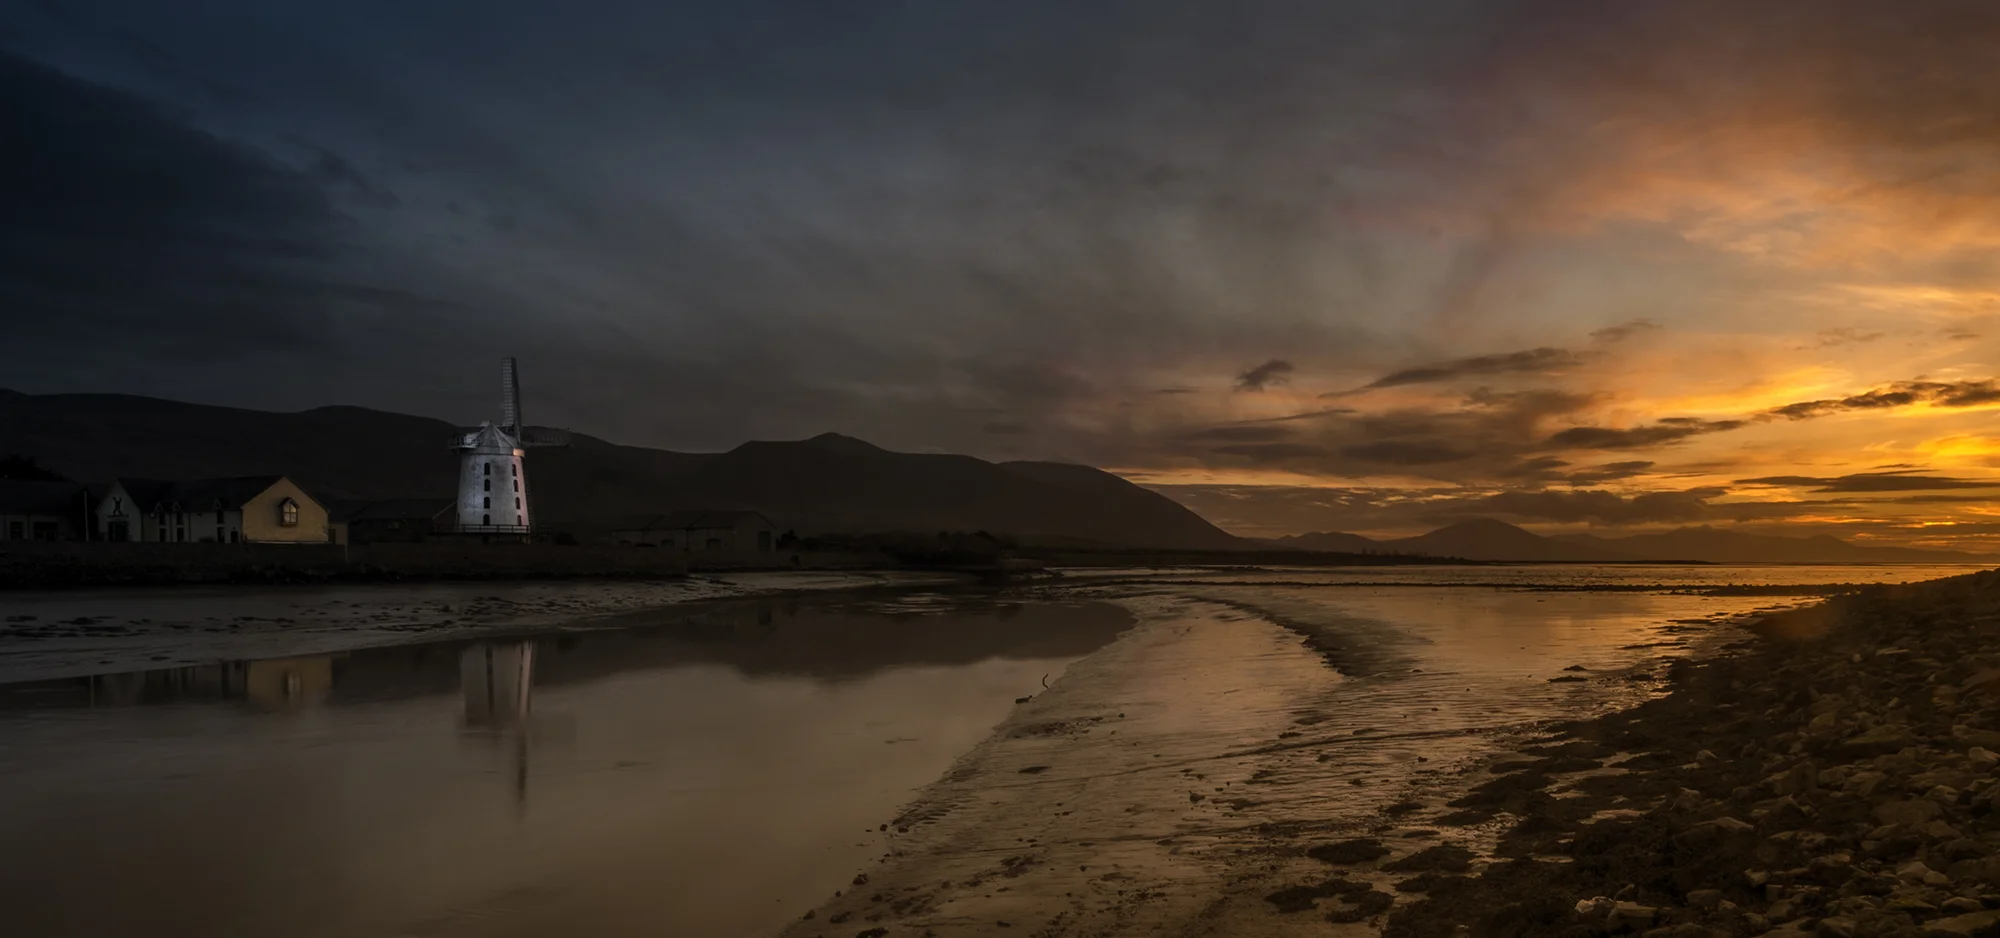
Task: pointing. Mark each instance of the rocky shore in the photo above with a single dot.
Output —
(1833, 776)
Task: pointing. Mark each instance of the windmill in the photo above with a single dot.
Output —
(492, 482)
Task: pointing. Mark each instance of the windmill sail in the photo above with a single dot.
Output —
(510, 405)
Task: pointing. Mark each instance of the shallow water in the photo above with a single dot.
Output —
(706, 775)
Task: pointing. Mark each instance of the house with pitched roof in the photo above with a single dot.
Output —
(243, 509)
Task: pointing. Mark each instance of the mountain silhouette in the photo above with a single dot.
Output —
(1486, 539)
(1716, 545)
(827, 484)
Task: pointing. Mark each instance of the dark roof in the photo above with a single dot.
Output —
(196, 494)
(391, 509)
(690, 520)
(36, 497)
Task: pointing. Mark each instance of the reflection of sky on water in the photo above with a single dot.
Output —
(705, 774)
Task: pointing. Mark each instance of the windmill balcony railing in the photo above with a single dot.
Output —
(486, 528)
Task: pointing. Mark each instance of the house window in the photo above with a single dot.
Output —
(288, 513)
(235, 536)
(218, 534)
(14, 530)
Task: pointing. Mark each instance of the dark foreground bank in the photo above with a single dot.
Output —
(1834, 776)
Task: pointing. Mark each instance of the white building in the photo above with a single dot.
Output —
(245, 509)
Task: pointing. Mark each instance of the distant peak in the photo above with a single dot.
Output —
(840, 443)
(1481, 524)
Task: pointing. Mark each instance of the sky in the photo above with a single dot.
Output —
(1346, 266)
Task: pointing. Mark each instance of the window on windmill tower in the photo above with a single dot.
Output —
(489, 468)
(486, 502)
(288, 513)
(487, 486)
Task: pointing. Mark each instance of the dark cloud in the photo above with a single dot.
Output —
(1245, 433)
(1623, 331)
(1271, 452)
(1845, 335)
(1609, 472)
(1275, 371)
(124, 224)
(1537, 361)
(1406, 453)
(1603, 507)
(1662, 432)
(1900, 394)
(1872, 482)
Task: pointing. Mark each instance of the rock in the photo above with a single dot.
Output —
(1799, 778)
(1683, 930)
(1880, 740)
(1944, 795)
(1913, 872)
(1783, 910)
(1961, 904)
(1982, 758)
(1704, 898)
(1963, 849)
(1630, 915)
(1908, 813)
(1864, 783)
(1939, 830)
(1705, 757)
(1349, 851)
(1965, 924)
(1594, 907)
(1838, 926)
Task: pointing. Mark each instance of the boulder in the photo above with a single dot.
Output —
(1877, 741)
(1965, 924)
(1908, 813)
(1630, 915)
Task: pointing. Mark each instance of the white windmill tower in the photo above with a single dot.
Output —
(492, 482)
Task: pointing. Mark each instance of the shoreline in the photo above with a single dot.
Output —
(1219, 754)
(1832, 775)
(57, 634)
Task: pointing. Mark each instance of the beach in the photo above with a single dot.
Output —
(1194, 751)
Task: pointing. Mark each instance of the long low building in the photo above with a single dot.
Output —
(244, 509)
(701, 530)
(36, 510)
